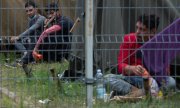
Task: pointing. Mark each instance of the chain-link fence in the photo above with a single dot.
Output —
(56, 67)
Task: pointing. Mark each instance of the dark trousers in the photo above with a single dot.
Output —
(25, 45)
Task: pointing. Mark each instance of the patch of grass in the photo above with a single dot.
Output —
(41, 87)
(6, 102)
(63, 95)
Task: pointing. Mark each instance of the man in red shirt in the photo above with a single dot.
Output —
(130, 64)
(129, 61)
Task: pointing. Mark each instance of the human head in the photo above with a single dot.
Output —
(52, 9)
(31, 9)
(146, 27)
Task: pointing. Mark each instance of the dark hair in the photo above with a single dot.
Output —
(30, 3)
(52, 6)
(150, 21)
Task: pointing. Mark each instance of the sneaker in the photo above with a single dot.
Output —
(112, 94)
(19, 62)
(62, 76)
(37, 56)
(14, 65)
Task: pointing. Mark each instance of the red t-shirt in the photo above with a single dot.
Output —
(127, 55)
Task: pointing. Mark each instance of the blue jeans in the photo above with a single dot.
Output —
(136, 81)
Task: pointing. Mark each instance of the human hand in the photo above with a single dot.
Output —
(45, 21)
(36, 55)
(14, 38)
(48, 21)
(137, 70)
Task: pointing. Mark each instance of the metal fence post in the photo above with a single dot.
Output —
(89, 49)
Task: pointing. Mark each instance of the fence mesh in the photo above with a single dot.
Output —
(57, 80)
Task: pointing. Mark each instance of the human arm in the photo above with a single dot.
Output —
(128, 64)
(34, 27)
(50, 30)
(13, 38)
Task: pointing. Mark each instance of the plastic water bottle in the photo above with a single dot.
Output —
(100, 89)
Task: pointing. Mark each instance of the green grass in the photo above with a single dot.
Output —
(41, 87)
(65, 95)
(5, 102)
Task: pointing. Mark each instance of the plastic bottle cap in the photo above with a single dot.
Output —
(145, 74)
(98, 70)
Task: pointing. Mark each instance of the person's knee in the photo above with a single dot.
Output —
(171, 83)
(120, 86)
